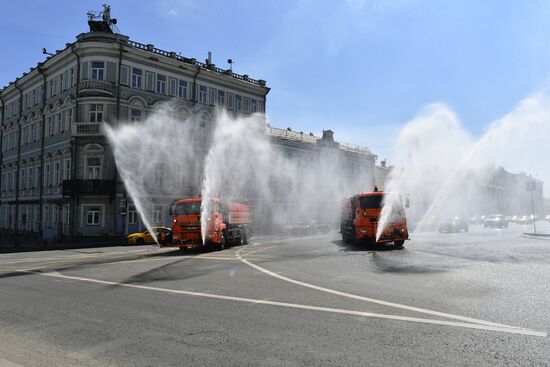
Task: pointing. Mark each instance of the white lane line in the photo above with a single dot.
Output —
(371, 300)
(252, 252)
(69, 257)
(300, 306)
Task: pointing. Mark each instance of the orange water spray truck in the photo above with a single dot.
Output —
(360, 218)
(226, 223)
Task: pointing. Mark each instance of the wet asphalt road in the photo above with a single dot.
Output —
(476, 298)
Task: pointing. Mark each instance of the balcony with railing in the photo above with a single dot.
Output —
(92, 87)
(88, 186)
(87, 128)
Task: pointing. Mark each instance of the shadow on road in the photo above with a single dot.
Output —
(365, 246)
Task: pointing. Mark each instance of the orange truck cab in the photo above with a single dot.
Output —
(361, 216)
(226, 223)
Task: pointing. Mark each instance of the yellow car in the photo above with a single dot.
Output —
(146, 238)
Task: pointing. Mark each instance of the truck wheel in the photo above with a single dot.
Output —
(241, 238)
(221, 246)
(399, 243)
(246, 237)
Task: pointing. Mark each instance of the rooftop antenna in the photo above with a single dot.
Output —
(101, 21)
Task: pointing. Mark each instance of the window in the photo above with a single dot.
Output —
(182, 89)
(213, 95)
(71, 77)
(62, 82)
(48, 175)
(253, 106)
(135, 115)
(57, 173)
(36, 219)
(230, 101)
(63, 121)
(30, 183)
(157, 214)
(221, 98)
(158, 175)
(70, 119)
(136, 77)
(202, 94)
(55, 123)
(94, 168)
(22, 181)
(46, 215)
(51, 88)
(124, 70)
(237, 102)
(98, 69)
(132, 215)
(246, 104)
(173, 83)
(161, 84)
(55, 214)
(67, 169)
(96, 113)
(150, 77)
(93, 161)
(92, 216)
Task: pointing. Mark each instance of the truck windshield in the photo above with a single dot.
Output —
(192, 207)
(371, 202)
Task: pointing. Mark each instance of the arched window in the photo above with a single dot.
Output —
(93, 161)
(136, 113)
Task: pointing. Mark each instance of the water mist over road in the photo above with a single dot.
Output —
(441, 168)
(233, 158)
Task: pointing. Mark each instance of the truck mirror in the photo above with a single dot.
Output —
(407, 203)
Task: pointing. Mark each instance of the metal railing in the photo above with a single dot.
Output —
(87, 128)
(96, 85)
(309, 138)
(84, 186)
(211, 67)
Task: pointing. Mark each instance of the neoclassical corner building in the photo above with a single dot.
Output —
(58, 179)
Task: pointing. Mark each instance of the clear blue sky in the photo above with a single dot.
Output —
(361, 68)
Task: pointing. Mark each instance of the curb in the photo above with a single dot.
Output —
(542, 236)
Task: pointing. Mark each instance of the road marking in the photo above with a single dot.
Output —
(69, 257)
(252, 252)
(372, 300)
(300, 306)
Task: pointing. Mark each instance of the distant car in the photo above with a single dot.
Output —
(475, 220)
(525, 219)
(495, 220)
(512, 218)
(146, 238)
(453, 225)
(302, 228)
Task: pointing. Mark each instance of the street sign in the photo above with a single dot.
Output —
(531, 186)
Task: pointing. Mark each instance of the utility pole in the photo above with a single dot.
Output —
(532, 186)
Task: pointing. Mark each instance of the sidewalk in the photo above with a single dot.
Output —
(7, 245)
